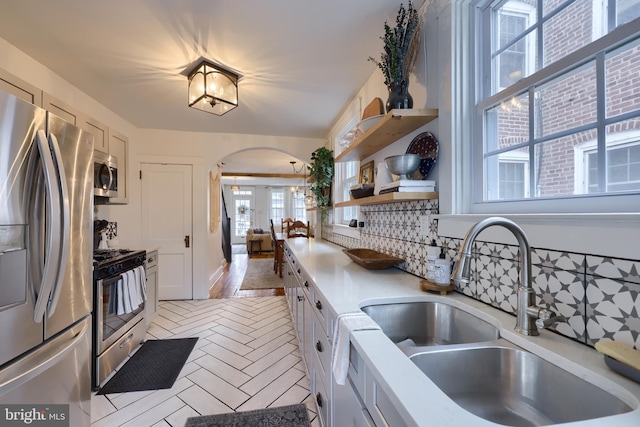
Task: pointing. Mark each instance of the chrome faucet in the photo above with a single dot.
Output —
(529, 316)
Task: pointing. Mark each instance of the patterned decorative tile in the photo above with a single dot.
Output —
(614, 268)
(613, 311)
(497, 281)
(562, 292)
(560, 260)
(498, 250)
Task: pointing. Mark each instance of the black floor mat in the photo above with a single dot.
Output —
(154, 366)
(284, 416)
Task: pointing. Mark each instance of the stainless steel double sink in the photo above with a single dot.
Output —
(486, 374)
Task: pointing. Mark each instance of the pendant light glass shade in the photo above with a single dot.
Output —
(213, 89)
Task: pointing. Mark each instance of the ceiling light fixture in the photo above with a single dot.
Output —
(235, 186)
(213, 89)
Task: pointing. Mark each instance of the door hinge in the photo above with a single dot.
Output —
(140, 174)
(186, 241)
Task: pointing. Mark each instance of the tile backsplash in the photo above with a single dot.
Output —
(599, 296)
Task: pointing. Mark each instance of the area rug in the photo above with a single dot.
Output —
(154, 366)
(260, 275)
(283, 416)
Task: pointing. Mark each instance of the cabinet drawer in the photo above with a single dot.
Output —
(322, 398)
(152, 259)
(320, 307)
(322, 349)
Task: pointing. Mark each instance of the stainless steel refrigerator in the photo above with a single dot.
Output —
(46, 291)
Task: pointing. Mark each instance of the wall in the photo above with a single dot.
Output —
(202, 150)
(596, 288)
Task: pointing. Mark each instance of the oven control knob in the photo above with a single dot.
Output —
(111, 270)
(139, 260)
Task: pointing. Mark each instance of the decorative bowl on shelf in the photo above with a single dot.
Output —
(403, 164)
(361, 190)
(370, 259)
(367, 123)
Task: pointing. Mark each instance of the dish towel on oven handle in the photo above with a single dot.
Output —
(345, 324)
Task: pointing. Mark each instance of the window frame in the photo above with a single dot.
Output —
(477, 204)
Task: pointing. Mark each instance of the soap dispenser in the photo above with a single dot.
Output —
(433, 252)
(443, 271)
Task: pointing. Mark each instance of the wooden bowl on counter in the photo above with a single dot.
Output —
(372, 260)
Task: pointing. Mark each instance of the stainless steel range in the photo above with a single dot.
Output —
(119, 325)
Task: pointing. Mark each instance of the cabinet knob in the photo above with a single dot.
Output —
(319, 399)
(319, 346)
(318, 305)
(306, 284)
(300, 299)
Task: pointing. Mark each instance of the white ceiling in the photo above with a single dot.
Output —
(302, 61)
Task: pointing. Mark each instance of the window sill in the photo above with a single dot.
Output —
(614, 235)
(345, 230)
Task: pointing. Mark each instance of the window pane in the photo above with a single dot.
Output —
(567, 31)
(626, 11)
(567, 102)
(623, 156)
(507, 175)
(507, 124)
(623, 79)
(511, 180)
(557, 170)
(277, 204)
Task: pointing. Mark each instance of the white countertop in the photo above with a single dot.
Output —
(346, 287)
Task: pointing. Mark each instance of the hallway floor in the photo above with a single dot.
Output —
(247, 357)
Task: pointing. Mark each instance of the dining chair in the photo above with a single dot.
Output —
(298, 229)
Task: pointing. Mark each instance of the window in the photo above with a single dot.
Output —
(345, 176)
(276, 210)
(558, 97)
(299, 206)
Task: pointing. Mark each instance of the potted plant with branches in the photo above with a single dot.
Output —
(401, 44)
(321, 175)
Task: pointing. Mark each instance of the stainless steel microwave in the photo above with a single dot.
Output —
(105, 175)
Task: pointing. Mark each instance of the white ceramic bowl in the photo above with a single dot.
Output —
(367, 123)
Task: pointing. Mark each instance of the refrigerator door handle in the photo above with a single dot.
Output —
(17, 374)
(50, 271)
(65, 232)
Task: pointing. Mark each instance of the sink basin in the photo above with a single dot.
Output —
(430, 323)
(515, 388)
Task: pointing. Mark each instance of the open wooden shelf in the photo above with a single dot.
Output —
(393, 126)
(388, 198)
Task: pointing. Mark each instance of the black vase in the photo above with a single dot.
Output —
(399, 95)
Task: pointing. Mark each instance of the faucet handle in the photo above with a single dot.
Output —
(548, 318)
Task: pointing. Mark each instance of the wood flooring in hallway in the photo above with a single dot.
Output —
(228, 286)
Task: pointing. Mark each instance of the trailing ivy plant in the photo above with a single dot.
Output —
(321, 175)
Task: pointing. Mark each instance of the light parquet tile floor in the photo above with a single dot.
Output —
(246, 357)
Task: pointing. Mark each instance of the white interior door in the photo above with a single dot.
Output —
(167, 225)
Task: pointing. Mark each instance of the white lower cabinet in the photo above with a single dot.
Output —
(361, 402)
